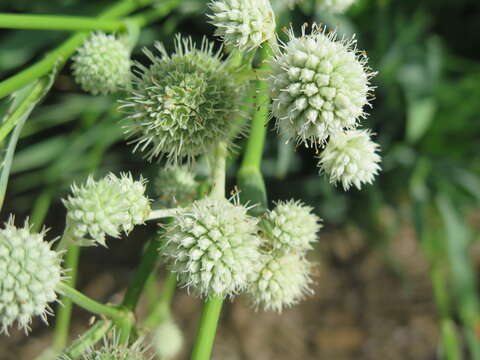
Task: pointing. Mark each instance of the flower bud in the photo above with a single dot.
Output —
(107, 207)
(350, 158)
(102, 64)
(212, 247)
(175, 186)
(29, 274)
(167, 340)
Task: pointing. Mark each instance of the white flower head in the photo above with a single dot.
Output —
(244, 24)
(334, 6)
(102, 64)
(319, 85)
(107, 207)
(29, 274)
(167, 340)
(175, 185)
(291, 226)
(280, 281)
(350, 158)
(212, 247)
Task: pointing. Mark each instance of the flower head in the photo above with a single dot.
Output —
(102, 64)
(350, 158)
(212, 246)
(182, 104)
(244, 24)
(107, 207)
(280, 281)
(334, 6)
(175, 185)
(319, 86)
(291, 226)
(167, 340)
(29, 274)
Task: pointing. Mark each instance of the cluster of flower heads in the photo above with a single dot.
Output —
(106, 207)
(167, 339)
(216, 248)
(102, 64)
(29, 274)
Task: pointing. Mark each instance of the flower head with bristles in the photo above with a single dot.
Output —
(319, 86)
(243, 24)
(102, 64)
(106, 207)
(280, 281)
(167, 340)
(29, 274)
(175, 185)
(182, 104)
(350, 158)
(291, 226)
(334, 6)
(212, 247)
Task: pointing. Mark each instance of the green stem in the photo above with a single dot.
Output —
(203, 346)
(219, 171)
(88, 339)
(58, 22)
(162, 308)
(91, 305)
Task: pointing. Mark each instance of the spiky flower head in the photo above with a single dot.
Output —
(319, 86)
(106, 207)
(102, 64)
(244, 24)
(167, 340)
(291, 226)
(334, 6)
(212, 246)
(350, 158)
(182, 104)
(175, 185)
(29, 274)
(280, 281)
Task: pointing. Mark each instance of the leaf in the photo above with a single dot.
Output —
(420, 114)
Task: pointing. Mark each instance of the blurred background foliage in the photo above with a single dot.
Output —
(426, 117)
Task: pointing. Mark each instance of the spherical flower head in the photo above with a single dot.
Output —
(212, 247)
(350, 158)
(319, 86)
(280, 281)
(244, 24)
(291, 226)
(106, 207)
(102, 64)
(29, 274)
(176, 185)
(182, 104)
(167, 340)
(334, 6)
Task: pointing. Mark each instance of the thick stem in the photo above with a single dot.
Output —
(58, 22)
(203, 346)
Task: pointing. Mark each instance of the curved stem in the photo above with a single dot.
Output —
(88, 339)
(58, 22)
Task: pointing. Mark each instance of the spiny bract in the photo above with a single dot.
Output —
(182, 104)
(29, 274)
(291, 226)
(167, 340)
(106, 207)
(319, 86)
(350, 158)
(280, 281)
(175, 185)
(334, 6)
(102, 64)
(212, 246)
(244, 24)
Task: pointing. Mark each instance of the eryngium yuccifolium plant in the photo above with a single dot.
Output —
(102, 64)
(175, 185)
(319, 86)
(280, 281)
(212, 247)
(182, 104)
(106, 207)
(167, 340)
(334, 6)
(291, 226)
(29, 274)
(350, 158)
(243, 24)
